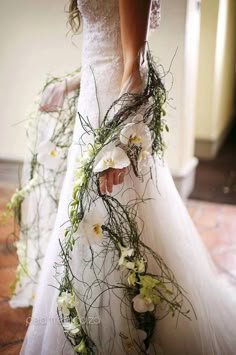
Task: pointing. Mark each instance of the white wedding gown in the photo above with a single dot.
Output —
(168, 230)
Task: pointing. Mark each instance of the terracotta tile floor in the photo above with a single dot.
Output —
(216, 224)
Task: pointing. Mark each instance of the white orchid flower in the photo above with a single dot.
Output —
(124, 253)
(136, 265)
(66, 301)
(145, 161)
(49, 155)
(142, 304)
(90, 228)
(110, 156)
(72, 327)
(137, 134)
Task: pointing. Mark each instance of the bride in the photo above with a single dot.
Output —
(125, 271)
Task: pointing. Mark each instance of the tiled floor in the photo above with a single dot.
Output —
(216, 224)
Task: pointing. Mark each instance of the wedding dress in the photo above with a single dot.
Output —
(167, 229)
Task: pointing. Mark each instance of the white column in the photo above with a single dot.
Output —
(179, 29)
(216, 84)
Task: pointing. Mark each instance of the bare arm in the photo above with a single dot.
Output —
(134, 16)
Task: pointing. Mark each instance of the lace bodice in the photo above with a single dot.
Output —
(101, 26)
(100, 30)
(102, 59)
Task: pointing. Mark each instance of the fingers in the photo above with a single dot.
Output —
(111, 177)
(116, 177)
(110, 174)
(121, 175)
(102, 183)
(106, 181)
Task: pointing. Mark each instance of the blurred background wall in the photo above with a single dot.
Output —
(216, 75)
(34, 43)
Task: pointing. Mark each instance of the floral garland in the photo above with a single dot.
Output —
(49, 136)
(131, 138)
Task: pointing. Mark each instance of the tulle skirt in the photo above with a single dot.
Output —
(168, 230)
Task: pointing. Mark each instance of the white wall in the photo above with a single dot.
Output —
(33, 43)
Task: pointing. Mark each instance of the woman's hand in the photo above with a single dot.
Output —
(111, 177)
(53, 97)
